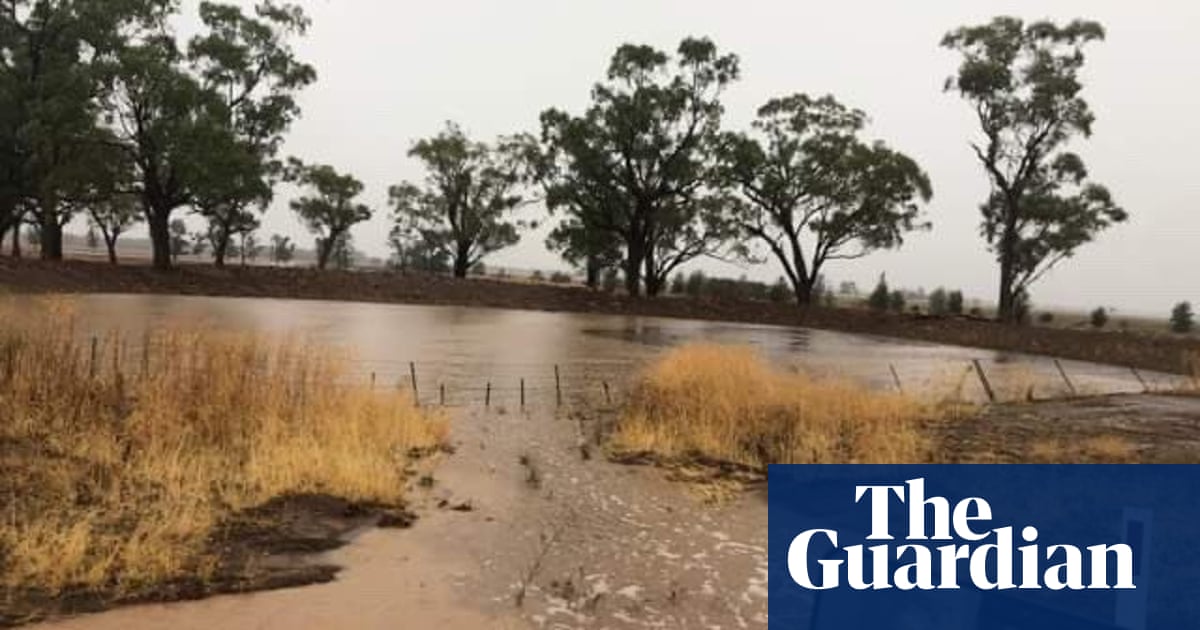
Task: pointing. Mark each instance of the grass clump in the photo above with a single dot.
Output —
(728, 404)
(117, 464)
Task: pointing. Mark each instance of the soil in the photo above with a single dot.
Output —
(269, 546)
(1153, 352)
(1156, 428)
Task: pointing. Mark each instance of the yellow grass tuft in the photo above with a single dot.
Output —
(114, 471)
(726, 403)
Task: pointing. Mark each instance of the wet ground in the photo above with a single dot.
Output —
(526, 524)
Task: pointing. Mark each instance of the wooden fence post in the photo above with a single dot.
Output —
(412, 374)
(896, 378)
(557, 387)
(522, 393)
(987, 387)
(92, 363)
(1063, 373)
(487, 396)
(607, 395)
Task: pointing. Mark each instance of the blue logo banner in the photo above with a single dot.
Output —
(984, 547)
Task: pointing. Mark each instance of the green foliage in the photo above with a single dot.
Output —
(634, 172)
(938, 302)
(1045, 317)
(179, 238)
(330, 210)
(780, 292)
(611, 280)
(954, 302)
(1182, 318)
(880, 298)
(896, 301)
(813, 191)
(464, 209)
(282, 249)
(1023, 82)
(1099, 317)
(559, 277)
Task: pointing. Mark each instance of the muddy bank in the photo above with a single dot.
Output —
(1163, 353)
(1126, 428)
(270, 546)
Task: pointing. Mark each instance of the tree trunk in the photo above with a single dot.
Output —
(804, 291)
(50, 238)
(160, 238)
(592, 269)
(633, 271)
(16, 239)
(111, 244)
(1005, 303)
(325, 249)
(220, 247)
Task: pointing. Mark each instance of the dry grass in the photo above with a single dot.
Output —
(726, 403)
(1099, 449)
(114, 472)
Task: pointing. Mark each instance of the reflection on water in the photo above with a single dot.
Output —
(466, 349)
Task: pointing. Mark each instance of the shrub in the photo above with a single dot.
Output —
(726, 403)
(1182, 318)
(880, 298)
(954, 302)
(1099, 317)
(537, 275)
(678, 284)
(896, 301)
(938, 302)
(611, 280)
(560, 277)
(695, 283)
(780, 291)
(1045, 317)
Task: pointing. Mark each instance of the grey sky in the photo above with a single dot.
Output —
(392, 72)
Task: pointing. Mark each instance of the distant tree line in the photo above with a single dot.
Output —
(105, 111)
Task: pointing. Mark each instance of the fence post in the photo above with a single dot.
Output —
(607, 396)
(522, 393)
(92, 363)
(1136, 373)
(1063, 373)
(987, 387)
(372, 380)
(896, 378)
(412, 373)
(146, 353)
(487, 396)
(557, 387)
(442, 394)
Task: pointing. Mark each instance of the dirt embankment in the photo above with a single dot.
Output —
(1164, 353)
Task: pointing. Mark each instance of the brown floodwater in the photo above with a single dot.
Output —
(463, 349)
(554, 539)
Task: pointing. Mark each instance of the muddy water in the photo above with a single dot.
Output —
(463, 349)
(555, 537)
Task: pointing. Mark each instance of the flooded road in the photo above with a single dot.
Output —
(547, 534)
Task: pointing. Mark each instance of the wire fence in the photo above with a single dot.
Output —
(596, 381)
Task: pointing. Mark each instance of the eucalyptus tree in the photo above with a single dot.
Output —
(638, 164)
(282, 249)
(51, 56)
(813, 192)
(113, 216)
(1023, 82)
(248, 62)
(330, 210)
(465, 207)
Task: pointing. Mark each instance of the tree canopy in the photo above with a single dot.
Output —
(330, 210)
(813, 192)
(463, 211)
(1023, 82)
(638, 164)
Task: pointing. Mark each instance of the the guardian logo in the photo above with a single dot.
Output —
(970, 554)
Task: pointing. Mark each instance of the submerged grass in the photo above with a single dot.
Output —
(727, 404)
(116, 465)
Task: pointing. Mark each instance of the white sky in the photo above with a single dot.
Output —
(392, 72)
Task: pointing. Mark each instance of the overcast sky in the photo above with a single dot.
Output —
(392, 72)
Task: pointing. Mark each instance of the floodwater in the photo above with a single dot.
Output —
(462, 350)
(557, 537)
